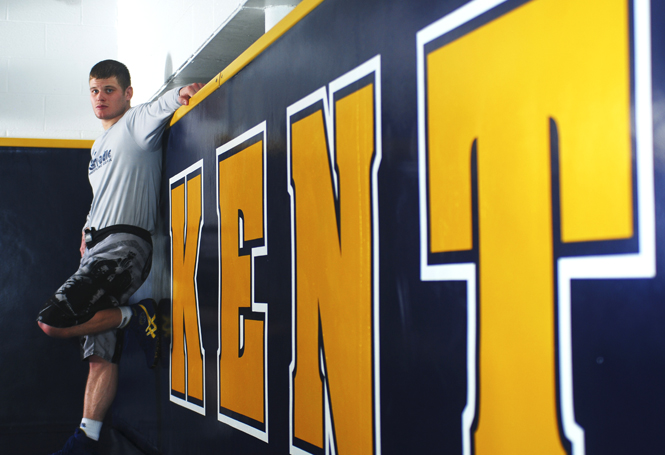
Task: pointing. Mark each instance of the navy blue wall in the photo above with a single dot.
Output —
(44, 199)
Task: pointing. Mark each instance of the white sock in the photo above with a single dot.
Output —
(126, 316)
(91, 428)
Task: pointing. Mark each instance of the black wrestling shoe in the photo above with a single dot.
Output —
(145, 326)
(79, 444)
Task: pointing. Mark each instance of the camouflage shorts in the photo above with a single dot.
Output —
(108, 275)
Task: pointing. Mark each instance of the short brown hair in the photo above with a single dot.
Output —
(109, 68)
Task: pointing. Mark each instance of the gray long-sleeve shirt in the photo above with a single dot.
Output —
(126, 166)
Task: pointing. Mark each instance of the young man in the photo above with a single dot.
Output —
(116, 245)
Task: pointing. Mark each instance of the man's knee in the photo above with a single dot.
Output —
(99, 367)
(59, 320)
(55, 332)
(96, 361)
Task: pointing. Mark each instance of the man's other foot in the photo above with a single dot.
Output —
(79, 444)
(145, 326)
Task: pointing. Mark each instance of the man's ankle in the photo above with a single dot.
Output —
(92, 428)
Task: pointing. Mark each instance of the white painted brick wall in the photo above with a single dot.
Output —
(179, 29)
(22, 39)
(179, 44)
(49, 77)
(203, 22)
(3, 74)
(55, 12)
(63, 111)
(223, 8)
(88, 42)
(22, 111)
(99, 12)
(47, 48)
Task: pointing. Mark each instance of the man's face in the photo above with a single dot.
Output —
(109, 101)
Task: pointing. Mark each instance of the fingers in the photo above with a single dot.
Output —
(196, 86)
(187, 92)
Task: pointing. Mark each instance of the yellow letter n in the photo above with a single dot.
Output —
(334, 229)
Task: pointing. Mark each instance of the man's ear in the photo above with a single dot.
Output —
(129, 93)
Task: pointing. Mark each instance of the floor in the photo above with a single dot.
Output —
(112, 442)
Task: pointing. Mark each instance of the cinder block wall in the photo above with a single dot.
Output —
(46, 48)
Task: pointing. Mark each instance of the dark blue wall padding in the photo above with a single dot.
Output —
(44, 199)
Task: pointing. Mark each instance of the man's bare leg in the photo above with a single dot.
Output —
(100, 391)
(100, 388)
(101, 322)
